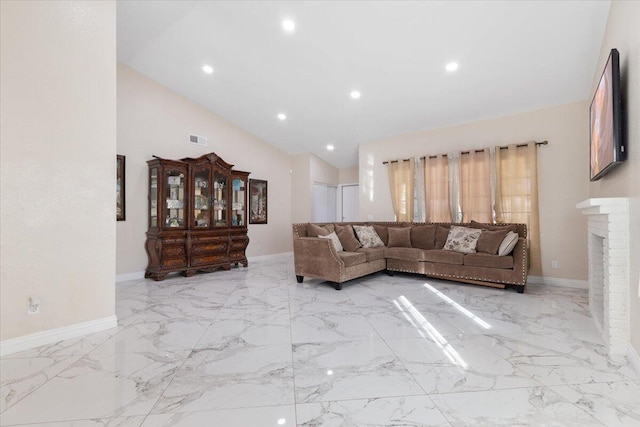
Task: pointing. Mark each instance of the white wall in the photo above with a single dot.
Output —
(153, 120)
(57, 151)
(562, 173)
(348, 176)
(623, 34)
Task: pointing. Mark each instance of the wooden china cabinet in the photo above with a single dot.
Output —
(197, 216)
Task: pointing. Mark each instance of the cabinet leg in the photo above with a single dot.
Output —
(245, 263)
(226, 267)
(158, 277)
(299, 278)
(188, 273)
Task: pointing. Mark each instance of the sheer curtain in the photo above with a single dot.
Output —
(454, 187)
(401, 179)
(517, 194)
(419, 214)
(475, 186)
(436, 189)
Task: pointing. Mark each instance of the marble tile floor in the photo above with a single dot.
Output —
(251, 347)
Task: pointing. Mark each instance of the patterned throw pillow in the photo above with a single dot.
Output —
(368, 236)
(462, 239)
(334, 238)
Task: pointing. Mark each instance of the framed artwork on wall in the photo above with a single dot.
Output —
(257, 201)
(120, 188)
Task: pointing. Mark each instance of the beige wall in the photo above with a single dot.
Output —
(57, 151)
(562, 173)
(623, 34)
(348, 176)
(152, 120)
(308, 169)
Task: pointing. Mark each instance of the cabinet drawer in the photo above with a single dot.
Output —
(174, 262)
(172, 251)
(238, 245)
(236, 255)
(172, 240)
(210, 247)
(208, 259)
(209, 239)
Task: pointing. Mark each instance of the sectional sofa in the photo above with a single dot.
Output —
(421, 253)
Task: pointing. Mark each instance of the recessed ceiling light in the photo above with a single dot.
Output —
(355, 94)
(330, 147)
(282, 116)
(282, 421)
(452, 66)
(288, 25)
(207, 69)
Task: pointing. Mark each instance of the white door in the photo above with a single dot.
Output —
(350, 203)
(324, 202)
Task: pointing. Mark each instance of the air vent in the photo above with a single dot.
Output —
(199, 140)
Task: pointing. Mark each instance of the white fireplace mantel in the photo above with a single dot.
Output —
(609, 260)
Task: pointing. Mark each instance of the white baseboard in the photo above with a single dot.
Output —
(140, 274)
(129, 276)
(51, 336)
(556, 281)
(634, 359)
(267, 257)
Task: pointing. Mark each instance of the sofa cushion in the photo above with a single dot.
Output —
(443, 257)
(442, 232)
(314, 230)
(431, 255)
(399, 237)
(489, 241)
(493, 227)
(462, 239)
(334, 239)
(487, 260)
(369, 238)
(352, 258)
(383, 232)
(424, 237)
(347, 238)
(373, 254)
(507, 245)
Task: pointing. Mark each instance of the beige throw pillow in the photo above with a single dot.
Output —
(334, 239)
(507, 245)
(489, 241)
(462, 239)
(368, 236)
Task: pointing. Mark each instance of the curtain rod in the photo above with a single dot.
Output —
(467, 152)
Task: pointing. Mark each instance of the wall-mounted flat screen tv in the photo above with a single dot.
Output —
(607, 147)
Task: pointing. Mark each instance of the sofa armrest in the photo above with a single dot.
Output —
(521, 259)
(316, 257)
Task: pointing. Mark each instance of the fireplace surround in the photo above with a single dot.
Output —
(609, 275)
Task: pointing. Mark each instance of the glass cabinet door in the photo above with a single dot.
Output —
(175, 199)
(237, 203)
(219, 200)
(201, 199)
(153, 198)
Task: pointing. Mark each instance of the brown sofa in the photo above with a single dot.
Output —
(317, 257)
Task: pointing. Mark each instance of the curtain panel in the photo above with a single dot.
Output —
(401, 181)
(436, 189)
(517, 195)
(475, 186)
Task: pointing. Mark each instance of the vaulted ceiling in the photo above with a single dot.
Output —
(513, 56)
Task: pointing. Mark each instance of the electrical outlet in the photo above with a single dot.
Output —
(554, 264)
(34, 306)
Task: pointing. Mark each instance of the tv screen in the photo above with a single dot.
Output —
(607, 149)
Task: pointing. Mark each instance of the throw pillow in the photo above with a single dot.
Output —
(347, 238)
(442, 233)
(489, 241)
(424, 237)
(382, 232)
(314, 230)
(508, 243)
(334, 239)
(462, 239)
(400, 237)
(368, 236)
